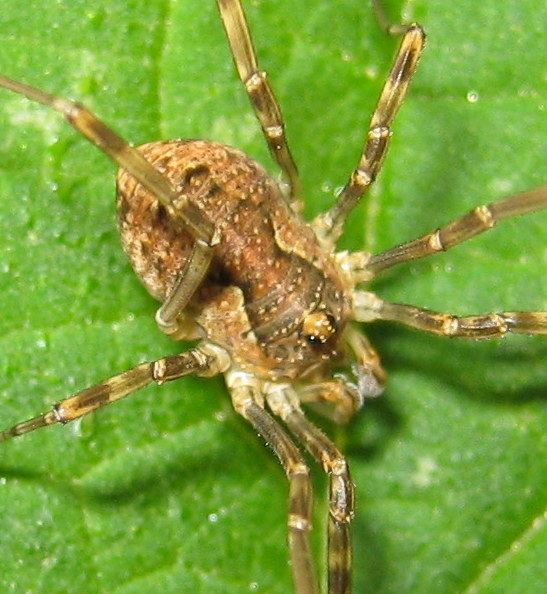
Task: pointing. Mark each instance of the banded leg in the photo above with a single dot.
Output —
(204, 360)
(330, 224)
(248, 401)
(256, 85)
(283, 401)
(130, 159)
(478, 220)
(124, 155)
(368, 307)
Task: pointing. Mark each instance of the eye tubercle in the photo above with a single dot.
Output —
(318, 327)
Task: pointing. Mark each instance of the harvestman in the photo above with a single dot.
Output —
(223, 248)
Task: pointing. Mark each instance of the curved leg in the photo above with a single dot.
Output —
(340, 398)
(336, 399)
(189, 279)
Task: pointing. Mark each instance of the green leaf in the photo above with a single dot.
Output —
(170, 490)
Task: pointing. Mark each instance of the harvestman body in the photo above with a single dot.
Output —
(271, 302)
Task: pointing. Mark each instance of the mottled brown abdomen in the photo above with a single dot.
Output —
(231, 188)
(264, 249)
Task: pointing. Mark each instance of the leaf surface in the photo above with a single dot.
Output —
(170, 490)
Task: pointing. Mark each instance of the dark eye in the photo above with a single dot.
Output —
(318, 327)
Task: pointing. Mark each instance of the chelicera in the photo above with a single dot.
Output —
(269, 300)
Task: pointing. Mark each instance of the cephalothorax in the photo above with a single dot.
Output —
(222, 246)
